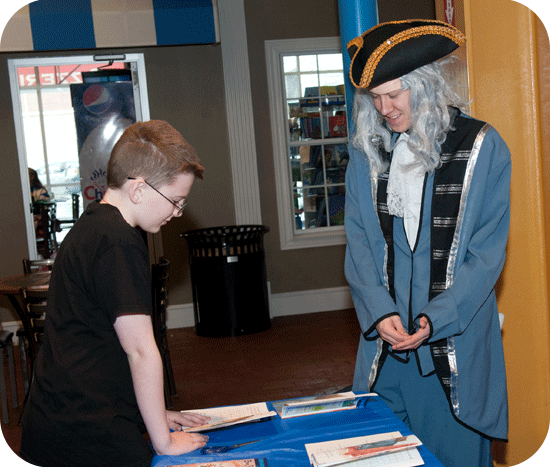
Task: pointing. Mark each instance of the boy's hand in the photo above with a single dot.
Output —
(182, 443)
(178, 420)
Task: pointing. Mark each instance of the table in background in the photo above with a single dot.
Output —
(282, 440)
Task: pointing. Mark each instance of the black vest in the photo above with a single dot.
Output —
(446, 203)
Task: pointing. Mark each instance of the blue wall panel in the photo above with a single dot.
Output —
(62, 24)
(184, 22)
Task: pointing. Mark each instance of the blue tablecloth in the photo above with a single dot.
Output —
(282, 440)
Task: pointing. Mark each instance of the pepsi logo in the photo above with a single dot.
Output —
(97, 99)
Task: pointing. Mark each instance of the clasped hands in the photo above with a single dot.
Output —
(392, 331)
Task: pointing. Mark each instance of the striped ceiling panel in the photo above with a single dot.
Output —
(89, 24)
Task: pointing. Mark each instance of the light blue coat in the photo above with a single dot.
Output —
(466, 312)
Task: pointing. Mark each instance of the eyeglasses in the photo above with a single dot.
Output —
(180, 208)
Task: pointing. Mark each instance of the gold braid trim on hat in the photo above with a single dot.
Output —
(444, 30)
(358, 41)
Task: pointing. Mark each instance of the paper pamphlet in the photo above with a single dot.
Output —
(233, 415)
(387, 449)
(232, 463)
(318, 404)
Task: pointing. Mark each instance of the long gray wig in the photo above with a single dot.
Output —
(430, 99)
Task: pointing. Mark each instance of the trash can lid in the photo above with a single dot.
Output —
(233, 234)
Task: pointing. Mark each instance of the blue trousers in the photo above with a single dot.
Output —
(420, 402)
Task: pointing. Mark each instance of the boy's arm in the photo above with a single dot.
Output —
(135, 333)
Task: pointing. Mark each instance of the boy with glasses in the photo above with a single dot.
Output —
(98, 382)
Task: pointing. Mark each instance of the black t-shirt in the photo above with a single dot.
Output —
(82, 409)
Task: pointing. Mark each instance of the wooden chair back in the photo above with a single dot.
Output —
(35, 303)
(37, 265)
(159, 273)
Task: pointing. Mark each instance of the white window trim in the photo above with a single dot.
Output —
(142, 114)
(291, 238)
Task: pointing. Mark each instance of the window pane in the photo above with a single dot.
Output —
(64, 206)
(293, 108)
(336, 161)
(316, 166)
(290, 64)
(59, 124)
(335, 116)
(32, 131)
(311, 165)
(310, 85)
(330, 62)
(336, 204)
(310, 121)
(292, 86)
(296, 166)
(315, 208)
(29, 101)
(331, 79)
(294, 120)
(299, 216)
(308, 63)
(26, 76)
(337, 125)
(48, 76)
(64, 172)
(64, 201)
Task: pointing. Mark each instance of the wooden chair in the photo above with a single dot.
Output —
(160, 303)
(6, 343)
(35, 304)
(75, 212)
(46, 228)
(31, 335)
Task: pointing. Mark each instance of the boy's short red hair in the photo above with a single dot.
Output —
(154, 150)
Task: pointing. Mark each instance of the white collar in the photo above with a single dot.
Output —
(405, 184)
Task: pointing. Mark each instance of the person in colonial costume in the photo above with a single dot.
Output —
(427, 219)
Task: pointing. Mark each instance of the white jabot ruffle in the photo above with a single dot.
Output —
(405, 184)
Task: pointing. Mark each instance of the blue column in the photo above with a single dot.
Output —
(356, 16)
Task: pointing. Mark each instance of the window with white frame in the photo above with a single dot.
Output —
(309, 128)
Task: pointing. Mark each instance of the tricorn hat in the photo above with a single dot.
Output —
(390, 50)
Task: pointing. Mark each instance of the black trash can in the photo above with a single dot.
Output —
(228, 277)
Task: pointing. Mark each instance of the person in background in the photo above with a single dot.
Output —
(38, 191)
(98, 382)
(39, 194)
(427, 219)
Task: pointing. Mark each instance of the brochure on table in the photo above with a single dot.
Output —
(221, 417)
(232, 463)
(387, 449)
(318, 404)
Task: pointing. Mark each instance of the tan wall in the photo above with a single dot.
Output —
(185, 87)
(508, 55)
(308, 268)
